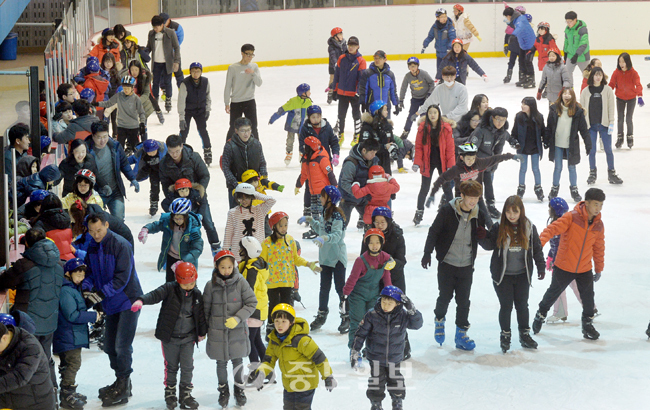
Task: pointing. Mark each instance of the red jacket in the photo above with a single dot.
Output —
(423, 152)
(97, 83)
(318, 171)
(543, 45)
(62, 238)
(626, 84)
(380, 190)
(99, 50)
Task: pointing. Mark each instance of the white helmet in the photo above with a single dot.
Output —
(245, 188)
(252, 246)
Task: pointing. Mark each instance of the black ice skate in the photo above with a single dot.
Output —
(539, 192)
(224, 395)
(575, 194)
(344, 327)
(588, 330)
(186, 399)
(619, 141)
(526, 341)
(170, 397)
(537, 322)
(321, 318)
(521, 190)
(118, 394)
(593, 175)
(240, 397)
(419, 214)
(504, 339)
(612, 178)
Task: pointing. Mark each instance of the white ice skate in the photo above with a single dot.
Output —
(555, 319)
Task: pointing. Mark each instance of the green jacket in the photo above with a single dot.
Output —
(576, 42)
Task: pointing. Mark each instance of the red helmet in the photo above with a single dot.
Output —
(186, 273)
(374, 231)
(545, 25)
(376, 171)
(313, 142)
(336, 30)
(556, 51)
(182, 183)
(224, 254)
(459, 7)
(456, 41)
(277, 217)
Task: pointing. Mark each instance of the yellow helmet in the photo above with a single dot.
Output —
(131, 39)
(248, 175)
(284, 307)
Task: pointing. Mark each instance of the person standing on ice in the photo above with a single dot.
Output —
(465, 30)
(239, 92)
(576, 42)
(451, 96)
(526, 38)
(443, 33)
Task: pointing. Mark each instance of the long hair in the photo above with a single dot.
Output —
(142, 76)
(74, 144)
(505, 227)
(434, 128)
(464, 126)
(592, 64)
(330, 208)
(50, 202)
(590, 80)
(476, 102)
(78, 211)
(573, 103)
(534, 112)
(456, 56)
(114, 74)
(627, 59)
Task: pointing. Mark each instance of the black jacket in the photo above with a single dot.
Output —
(394, 245)
(69, 168)
(239, 157)
(520, 131)
(579, 124)
(25, 374)
(171, 296)
(191, 167)
(53, 219)
(382, 134)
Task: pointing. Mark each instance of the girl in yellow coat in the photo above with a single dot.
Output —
(84, 183)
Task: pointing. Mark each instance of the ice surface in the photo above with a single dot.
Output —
(566, 372)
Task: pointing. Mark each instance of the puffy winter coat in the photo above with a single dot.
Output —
(56, 224)
(283, 259)
(523, 31)
(578, 125)
(296, 108)
(334, 249)
(140, 167)
(443, 34)
(191, 245)
(354, 169)
(395, 246)
(555, 77)
(317, 170)
(543, 44)
(25, 372)
(461, 64)
(328, 140)
(385, 333)
(172, 296)
(120, 162)
(489, 139)
(98, 84)
(608, 102)
(520, 131)
(299, 358)
(376, 84)
(191, 167)
(346, 75)
(223, 299)
(382, 132)
(380, 191)
(25, 186)
(576, 41)
(70, 199)
(99, 50)
(238, 157)
(246, 222)
(69, 168)
(78, 128)
(256, 273)
(335, 49)
(422, 156)
(465, 30)
(72, 331)
(626, 84)
(580, 241)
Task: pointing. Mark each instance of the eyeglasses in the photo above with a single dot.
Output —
(249, 54)
(244, 130)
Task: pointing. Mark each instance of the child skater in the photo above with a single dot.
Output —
(300, 359)
(517, 251)
(83, 188)
(332, 253)
(297, 109)
(181, 324)
(526, 137)
(587, 71)
(228, 302)
(377, 126)
(543, 44)
(421, 85)
(182, 240)
(336, 46)
(383, 330)
(555, 77)
(627, 86)
(459, 58)
(183, 188)
(250, 176)
(194, 102)
(370, 270)
(380, 186)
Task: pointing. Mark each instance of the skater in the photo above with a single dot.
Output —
(377, 83)
(457, 228)
(132, 51)
(194, 102)
(165, 50)
(465, 30)
(517, 251)
(78, 128)
(627, 85)
(566, 119)
(526, 137)
(451, 96)
(465, 127)
(180, 35)
(318, 127)
(181, 324)
(585, 73)
(143, 81)
(598, 102)
(239, 92)
(555, 77)
(576, 43)
(147, 159)
(511, 50)
(108, 64)
(345, 84)
(107, 44)
(78, 158)
(55, 222)
(298, 108)
(421, 85)
(336, 46)
(581, 229)
(332, 254)
(381, 187)
(459, 58)
(181, 241)
(526, 40)
(83, 189)
(443, 33)
(228, 302)
(480, 103)
(376, 125)
(383, 331)
(543, 44)
(362, 288)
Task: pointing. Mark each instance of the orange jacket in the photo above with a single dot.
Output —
(99, 50)
(97, 83)
(579, 241)
(318, 171)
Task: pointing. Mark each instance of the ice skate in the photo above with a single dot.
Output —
(153, 208)
(330, 95)
(612, 178)
(521, 190)
(439, 334)
(555, 319)
(344, 327)
(224, 395)
(161, 118)
(522, 80)
(170, 397)
(240, 397)
(68, 399)
(310, 234)
(287, 158)
(554, 191)
(593, 174)
(619, 141)
(341, 139)
(168, 105)
(397, 403)
(508, 76)
(537, 322)
(355, 140)
(530, 81)
(575, 194)
(118, 394)
(405, 135)
(321, 317)
(630, 141)
(360, 225)
(504, 340)
(207, 155)
(463, 341)
(588, 330)
(402, 171)
(647, 332)
(186, 399)
(419, 214)
(493, 211)
(539, 192)
(376, 405)
(526, 341)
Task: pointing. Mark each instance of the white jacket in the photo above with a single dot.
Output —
(465, 30)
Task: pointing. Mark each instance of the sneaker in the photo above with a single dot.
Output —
(287, 158)
(161, 118)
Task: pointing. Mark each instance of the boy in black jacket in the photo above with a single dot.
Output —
(181, 324)
(194, 102)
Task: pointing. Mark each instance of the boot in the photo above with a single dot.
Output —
(68, 399)
(419, 214)
(168, 104)
(287, 159)
(613, 178)
(593, 174)
(320, 320)
(493, 211)
(575, 194)
(240, 397)
(161, 118)
(521, 190)
(170, 397)
(397, 403)
(310, 234)
(539, 192)
(341, 139)
(405, 135)
(588, 330)
(619, 141)
(439, 334)
(330, 96)
(295, 295)
(630, 141)
(207, 155)
(344, 327)
(647, 332)
(526, 341)
(360, 225)
(530, 81)
(463, 341)
(153, 208)
(119, 394)
(538, 321)
(186, 399)
(224, 395)
(508, 76)
(103, 391)
(85, 399)
(376, 405)
(505, 341)
(215, 248)
(522, 80)
(554, 191)
(355, 140)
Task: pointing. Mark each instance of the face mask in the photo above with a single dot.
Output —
(449, 83)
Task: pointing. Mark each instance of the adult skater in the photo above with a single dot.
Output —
(526, 38)
(180, 35)
(239, 91)
(166, 55)
(576, 42)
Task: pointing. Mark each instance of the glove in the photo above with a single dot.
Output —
(137, 305)
(142, 236)
(539, 95)
(426, 261)
(640, 102)
(354, 359)
(541, 275)
(94, 104)
(105, 190)
(597, 276)
(398, 109)
(142, 130)
(545, 145)
(422, 52)
(280, 188)
(505, 49)
(173, 268)
(574, 59)
(364, 107)
(232, 322)
(430, 200)
(485, 77)
(258, 379)
(93, 297)
(408, 305)
(182, 125)
(481, 233)
(305, 219)
(517, 146)
(549, 263)
(344, 306)
(318, 241)
(314, 267)
(390, 264)
(610, 130)
(478, 38)
(587, 151)
(335, 160)
(136, 185)
(415, 168)
(296, 191)
(201, 338)
(520, 157)
(330, 383)
(207, 115)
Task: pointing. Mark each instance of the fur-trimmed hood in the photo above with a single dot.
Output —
(367, 118)
(451, 122)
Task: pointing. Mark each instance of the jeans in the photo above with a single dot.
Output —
(118, 341)
(115, 203)
(338, 273)
(344, 102)
(161, 78)
(560, 280)
(523, 168)
(513, 289)
(248, 109)
(199, 117)
(452, 279)
(416, 103)
(46, 343)
(594, 130)
(573, 175)
(621, 106)
(208, 225)
(424, 190)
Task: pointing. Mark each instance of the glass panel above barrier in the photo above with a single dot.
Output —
(120, 12)
(14, 99)
(100, 16)
(180, 8)
(307, 4)
(224, 6)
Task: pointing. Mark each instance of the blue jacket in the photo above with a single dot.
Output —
(523, 31)
(120, 161)
(334, 249)
(347, 73)
(191, 244)
(376, 84)
(443, 36)
(142, 173)
(72, 332)
(460, 64)
(180, 34)
(111, 271)
(328, 140)
(25, 186)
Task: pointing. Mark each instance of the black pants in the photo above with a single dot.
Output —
(344, 102)
(424, 190)
(526, 61)
(298, 400)
(161, 79)
(488, 186)
(199, 117)
(154, 102)
(248, 109)
(416, 103)
(338, 273)
(114, 122)
(621, 106)
(154, 190)
(178, 355)
(257, 345)
(277, 296)
(347, 209)
(170, 276)
(179, 76)
(380, 376)
(560, 280)
(307, 198)
(452, 279)
(46, 343)
(208, 224)
(128, 137)
(513, 289)
(398, 279)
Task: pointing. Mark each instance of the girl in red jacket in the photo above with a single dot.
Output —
(543, 43)
(627, 87)
(434, 149)
(380, 187)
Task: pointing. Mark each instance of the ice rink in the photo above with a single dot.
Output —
(565, 372)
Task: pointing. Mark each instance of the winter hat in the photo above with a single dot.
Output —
(353, 41)
(164, 16)
(108, 32)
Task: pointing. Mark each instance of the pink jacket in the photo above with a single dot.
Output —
(380, 190)
(246, 222)
(359, 270)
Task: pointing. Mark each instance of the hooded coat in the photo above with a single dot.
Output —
(256, 273)
(443, 35)
(191, 245)
(422, 156)
(72, 331)
(555, 77)
(335, 49)
(56, 224)
(395, 246)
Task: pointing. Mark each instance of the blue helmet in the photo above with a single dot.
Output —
(392, 292)
(302, 88)
(91, 58)
(196, 65)
(87, 94)
(334, 194)
(128, 80)
(314, 109)
(559, 206)
(180, 206)
(150, 145)
(376, 106)
(38, 195)
(92, 65)
(382, 211)
(413, 60)
(528, 17)
(73, 264)
(45, 142)
(7, 319)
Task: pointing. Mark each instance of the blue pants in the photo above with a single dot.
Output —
(594, 130)
(559, 159)
(416, 103)
(523, 168)
(338, 273)
(161, 78)
(118, 342)
(115, 203)
(299, 400)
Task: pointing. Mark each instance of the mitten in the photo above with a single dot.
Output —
(415, 168)
(280, 188)
(335, 160)
(430, 200)
(330, 383)
(142, 236)
(136, 185)
(137, 305)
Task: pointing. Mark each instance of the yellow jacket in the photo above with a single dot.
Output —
(282, 258)
(258, 271)
(69, 199)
